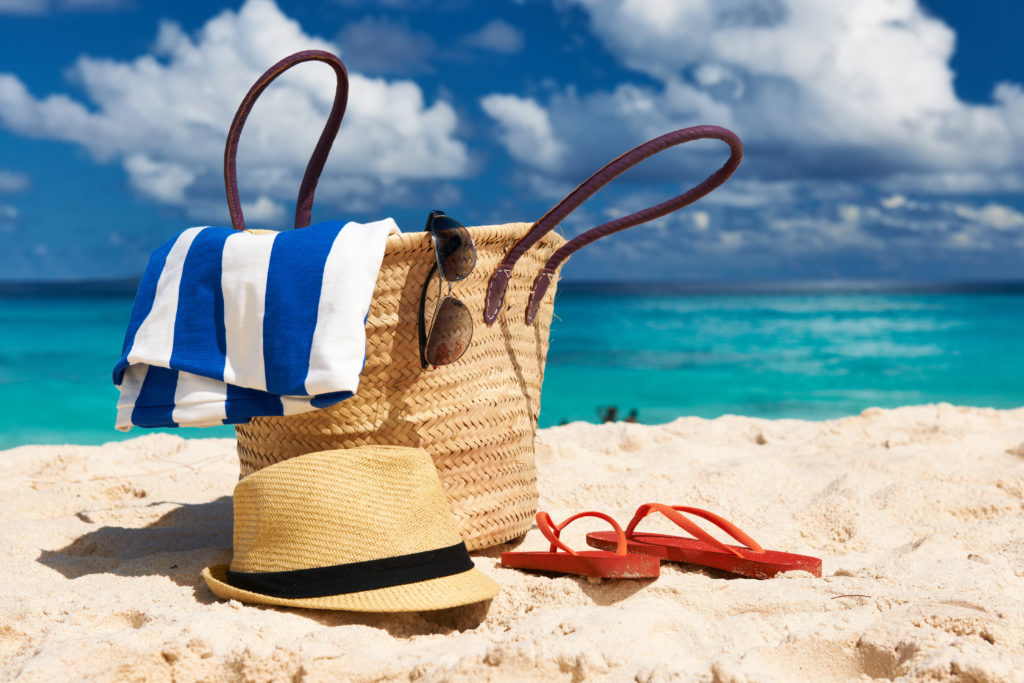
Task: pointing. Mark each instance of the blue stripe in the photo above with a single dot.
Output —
(327, 400)
(242, 403)
(294, 279)
(143, 303)
(199, 337)
(155, 405)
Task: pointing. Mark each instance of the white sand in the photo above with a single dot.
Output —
(917, 513)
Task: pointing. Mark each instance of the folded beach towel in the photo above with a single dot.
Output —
(228, 324)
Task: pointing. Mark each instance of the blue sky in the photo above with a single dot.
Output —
(884, 138)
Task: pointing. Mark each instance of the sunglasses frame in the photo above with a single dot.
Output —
(443, 299)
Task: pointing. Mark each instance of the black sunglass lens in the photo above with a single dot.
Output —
(456, 253)
(450, 334)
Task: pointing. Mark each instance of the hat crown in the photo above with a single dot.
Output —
(310, 511)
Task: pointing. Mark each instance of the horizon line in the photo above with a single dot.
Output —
(127, 285)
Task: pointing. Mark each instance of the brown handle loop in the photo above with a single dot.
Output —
(304, 204)
(499, 279)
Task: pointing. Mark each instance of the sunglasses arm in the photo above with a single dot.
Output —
(423, 320)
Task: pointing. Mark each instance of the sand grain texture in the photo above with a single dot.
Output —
(917, 513)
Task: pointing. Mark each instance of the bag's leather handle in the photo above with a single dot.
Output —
(304, 204)
(499, 279)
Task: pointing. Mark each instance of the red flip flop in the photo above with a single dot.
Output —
(750, 559)
(596, 563)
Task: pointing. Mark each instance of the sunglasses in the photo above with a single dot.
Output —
(451, 327)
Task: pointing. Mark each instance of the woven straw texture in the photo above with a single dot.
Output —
(477, 417)
(342, 507)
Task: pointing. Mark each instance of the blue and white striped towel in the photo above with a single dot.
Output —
(228, 325)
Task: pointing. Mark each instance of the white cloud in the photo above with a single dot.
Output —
(526, 130)
(853, 237)
(264, 211)
(496, 35)
(849, 213)
(165, 116)
(730, 240)
(894, 201)
(992, 215)
(93, 4)
(14, 182)
(958, 182)
(809, 232)
(38, 7)
(164, 181)
(701, 220)
(893, 225)
(963, 240)
(818, 91)
(409, 5)
(925, 223)
(24, 6)
(389, 4)
(754, 194)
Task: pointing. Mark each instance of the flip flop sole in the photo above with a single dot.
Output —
(763, 565)
(597, 564)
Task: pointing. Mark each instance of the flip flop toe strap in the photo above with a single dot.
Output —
(672, 512)
(552, 532)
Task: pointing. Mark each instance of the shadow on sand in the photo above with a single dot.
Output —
(149, 550)
(180, 543)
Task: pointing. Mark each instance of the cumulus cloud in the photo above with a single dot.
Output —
(408, 5)
(264, 210)
(24, 6)
(14, 182)
(93, 4)
(701, 220)
(39, 7)
(161, 180)
(894, 201)
(958, 182)
(991, 215)
(899, 222)
(893, 229)
(164, 117)
(8, 217)
(819, 91)
(895, 236)
(526, 130)
(496, 35)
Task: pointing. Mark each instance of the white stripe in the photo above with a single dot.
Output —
(244, 269)
(293, 405)
(350, 275)
(154, 340)
(131, 385)
(199, 401)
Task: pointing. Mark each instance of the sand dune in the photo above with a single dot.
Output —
(917, 513)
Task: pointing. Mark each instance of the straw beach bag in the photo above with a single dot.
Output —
(477, 417)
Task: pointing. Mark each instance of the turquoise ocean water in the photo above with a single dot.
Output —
(809, 352)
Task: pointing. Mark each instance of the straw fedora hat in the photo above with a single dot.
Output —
(364, 529)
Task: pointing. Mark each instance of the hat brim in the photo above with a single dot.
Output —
(464, 588)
